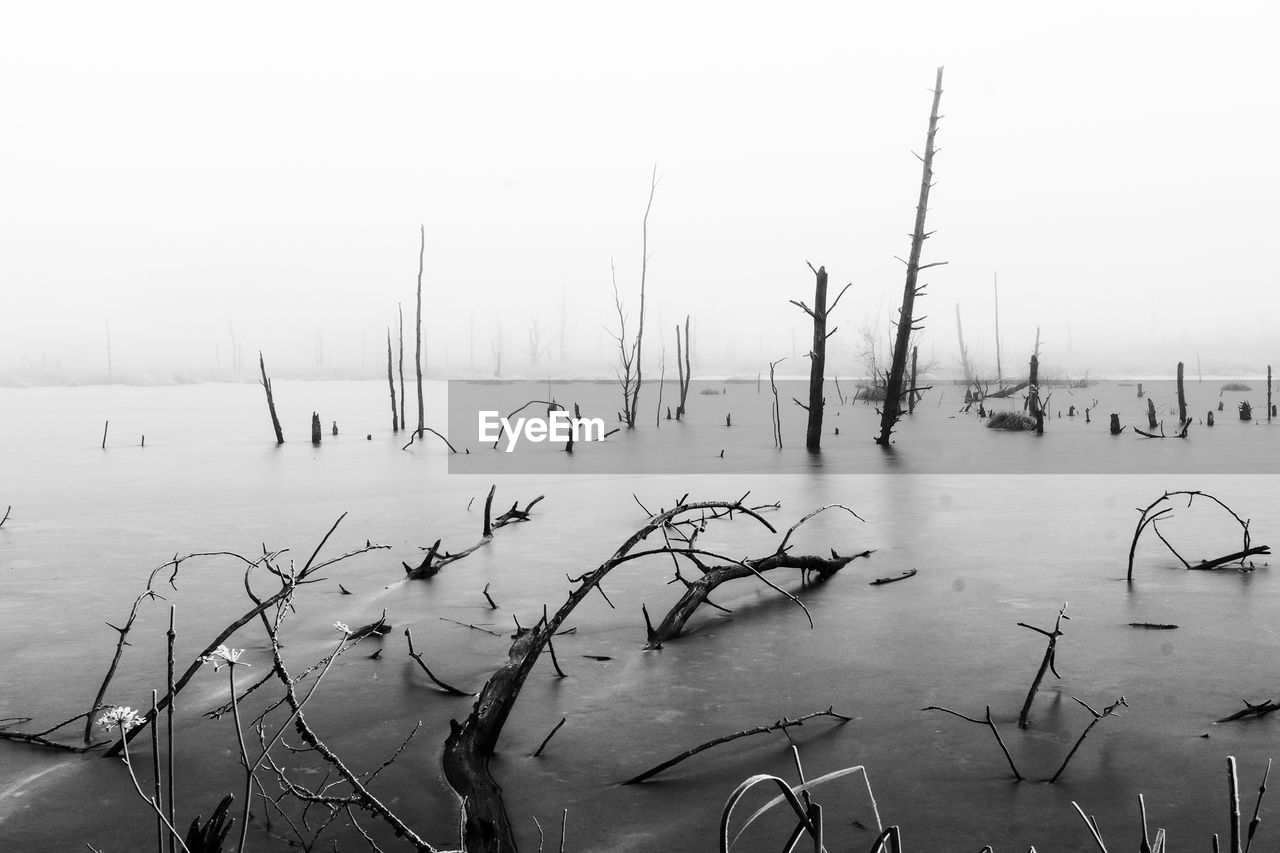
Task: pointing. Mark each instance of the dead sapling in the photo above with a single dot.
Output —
(1149, 517)
(435, 559)
(990, 724)
(1046, 664)
(1109, 711)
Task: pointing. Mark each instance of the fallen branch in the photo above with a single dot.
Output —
(779, 725)
(435, 560)
(1159, 626)
(910, 573)
(1261, 709)
(447, 688)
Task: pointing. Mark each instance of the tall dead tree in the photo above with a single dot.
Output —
(818, 353)
(995, 287)
(683, 368)
(1269, 393)
(964, 353)
(391, 382)
(906, 318)
(417, 354)
(271, 403)
(403, 421)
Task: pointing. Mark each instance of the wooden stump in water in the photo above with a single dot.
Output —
(1139, 390)
(315, 428)
(1182, 398)
(1151, 414)
(335, 427)
(1209, 418)
(1116, 429)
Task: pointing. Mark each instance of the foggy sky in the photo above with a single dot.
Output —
(179, 172)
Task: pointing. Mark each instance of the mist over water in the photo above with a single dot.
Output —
(991, 549)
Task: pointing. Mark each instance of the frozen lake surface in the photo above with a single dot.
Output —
(1003, 528)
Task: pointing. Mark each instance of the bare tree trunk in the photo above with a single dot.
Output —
(906, 323)
(395, 417)
(403, 420)
(683, 368)
(995, 286)
(1034, 403)
(911, 392)
(1268, 393)
(817, 361)
(1182, 399)
(271, 403)
(777, 408)
(417, 354)
(315, 428)
(1151, 414)
(964, 353)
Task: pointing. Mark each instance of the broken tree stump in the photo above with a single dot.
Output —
(315, 428)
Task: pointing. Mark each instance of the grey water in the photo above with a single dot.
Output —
(1002, 528)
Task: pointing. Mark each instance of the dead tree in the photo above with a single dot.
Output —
(684, 369)
(964, 353)
(391, 382)
(1269, 406)
(906, 314)
(315, 428)
(625, 371)
(776, 411)
(470, 744)
(818, 354)
(995, 288)
(1048, 664)
(1033, 403)
(271, 403)
(1150, 516)
(1151, 414)
(631, 353)
(1182, 398)
(417, 353)
(400, 310)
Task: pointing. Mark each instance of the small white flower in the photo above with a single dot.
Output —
(223, 656)
(118, 715)
(341, 628)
